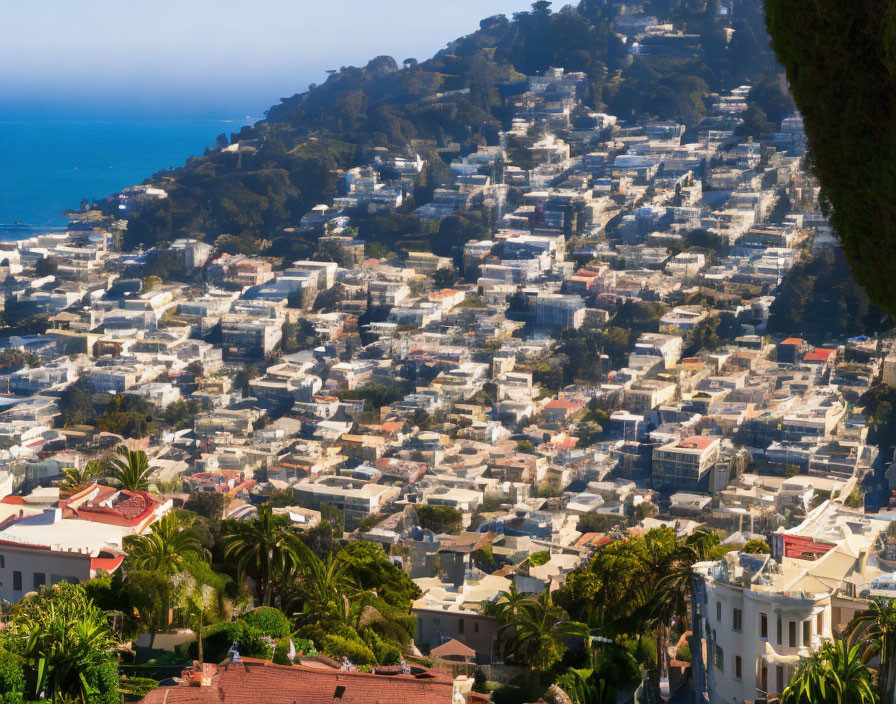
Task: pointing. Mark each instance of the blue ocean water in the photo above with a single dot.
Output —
(48, 166)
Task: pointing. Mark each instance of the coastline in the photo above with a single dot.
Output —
(50, 166)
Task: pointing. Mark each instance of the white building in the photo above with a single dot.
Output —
(760, 615)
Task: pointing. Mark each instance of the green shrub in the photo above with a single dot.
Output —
(137, 687)
(684, 653)
(356, 651)
(12, 674)
(270, 621)
(388, 654)
(218, 638)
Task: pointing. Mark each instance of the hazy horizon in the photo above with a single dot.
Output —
(101, 58)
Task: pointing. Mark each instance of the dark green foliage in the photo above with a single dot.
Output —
(46, 266)
(270, 621)
(841, 63)
(208, 504)
(371, 569)
(375, 396)
(75, 406)
(12, 360)
(180, 413)
(879, 403)
(598, 522)
(755, 546)
(756, 123)
(439, 519)
(127, 415)
(218, 638)
(820, 300)
(772, 96)
(12, 674)
(582, 348)
(86, 668)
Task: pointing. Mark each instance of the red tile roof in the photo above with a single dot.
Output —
(793, 341)
(819, 355)
(696, 442)
(261, 682)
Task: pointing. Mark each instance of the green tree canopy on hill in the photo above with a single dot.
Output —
(841, 63)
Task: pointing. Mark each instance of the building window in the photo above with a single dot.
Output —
(40, 579)
(819, 624)
(460, 625)
(779, 677)
(737, 618)
(719, 611)
(737, 667)
(720, 659)
(791, 634)
(807, 631)
(17, 581)
(763, 676)
(780, 632)
(763, 625)
(476, 627)
(2, 562)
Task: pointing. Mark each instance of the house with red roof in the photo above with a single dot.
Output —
(791, 350)
(821, 355)
(72, 541)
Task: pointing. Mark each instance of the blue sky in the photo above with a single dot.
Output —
(191, 57)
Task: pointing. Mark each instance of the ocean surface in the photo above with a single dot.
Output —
(48, 166)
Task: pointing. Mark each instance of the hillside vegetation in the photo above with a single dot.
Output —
(442, 107)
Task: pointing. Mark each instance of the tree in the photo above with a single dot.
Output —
(842, 70)
(208, 504)
(66, 646)
(74, 479)
(263, 548)
(833, 674)
(439, 519)
(75, 406)
(754, 546)
(538, 634)
(755, 123)
(875, 630)
(131, 469)
(127, 415)
(167, 548)
(14, 359)
(506, 608)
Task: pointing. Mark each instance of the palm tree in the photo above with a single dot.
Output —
(677, 580)
(325, 586)
(75, 480)
(131, 469)
(506, 607)
(263, 548)
(833, 674)
(167, 548)
(875, 628)
(539, 633)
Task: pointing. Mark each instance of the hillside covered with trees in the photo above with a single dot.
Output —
(442, 107)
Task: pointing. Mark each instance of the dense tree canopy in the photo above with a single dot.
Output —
(841, 63)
